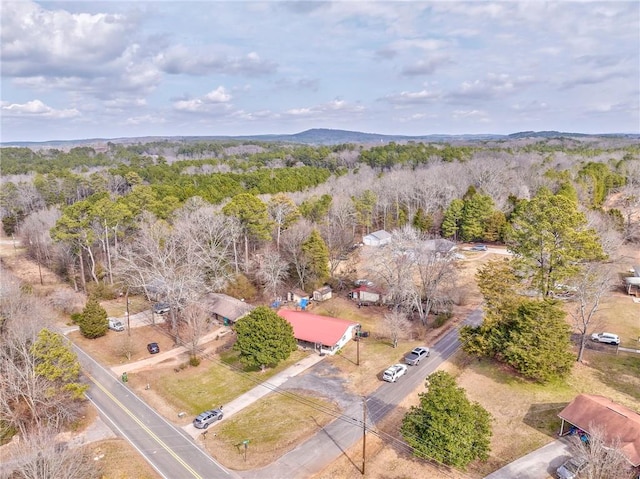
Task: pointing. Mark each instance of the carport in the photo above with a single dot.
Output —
(588, 412)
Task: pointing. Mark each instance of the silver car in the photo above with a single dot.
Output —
(571, 468)
(206, 418)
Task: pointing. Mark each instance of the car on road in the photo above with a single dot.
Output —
(416, 355)
(393, 373)
(571, 468)
(608, 338)
(153, 348)
(479, 247)
(206, 418)
(161, 308)
(115, 324)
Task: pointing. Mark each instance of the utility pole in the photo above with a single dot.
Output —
(126, 296)
(364, 431)
(358, 338)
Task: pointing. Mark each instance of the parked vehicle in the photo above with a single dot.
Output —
(479, 247)
(571, 468)
(206, 418)
(153, 348)
(608, 338)
(116, 324)
(417, 355)
(161, 308)
(393, 373)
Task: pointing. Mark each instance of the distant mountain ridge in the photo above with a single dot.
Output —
(317, 136)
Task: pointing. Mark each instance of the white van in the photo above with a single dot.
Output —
(609, 338)
(115, 324)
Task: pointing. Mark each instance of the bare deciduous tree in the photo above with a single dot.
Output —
(291, 245)
(588, 288)
(605, 459)
(29, 399)
(162, 262)
(394, 268)
(396, 325)
(437, 276)
(338, 232)
(126, 346)
(213, 237)
(272, 270)
(42, 457)
(195, 319)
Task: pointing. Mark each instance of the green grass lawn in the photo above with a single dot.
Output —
(272, 426)
(197, 389)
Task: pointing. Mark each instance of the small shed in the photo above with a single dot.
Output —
(617, 422)
(301, 298)
(322, 333)
(322, 294)
(632, 283)
(377, 238)
(296, 295)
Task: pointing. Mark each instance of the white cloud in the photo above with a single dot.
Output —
(492, 86)
(36, 109)
(412, 97)
(36, 41)
(145, 120)
(216, 100)
(328, 109)
(180, 59)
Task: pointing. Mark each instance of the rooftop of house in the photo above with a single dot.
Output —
(226, 306)
(617, 422)
(314, 328)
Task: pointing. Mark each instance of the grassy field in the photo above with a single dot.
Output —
(214, 382)
(273, 426)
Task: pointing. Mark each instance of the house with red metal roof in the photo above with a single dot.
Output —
(322, 333)
(618, 423)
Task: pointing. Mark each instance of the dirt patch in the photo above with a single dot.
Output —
(120, 460)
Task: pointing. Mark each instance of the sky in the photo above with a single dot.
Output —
(91, 69)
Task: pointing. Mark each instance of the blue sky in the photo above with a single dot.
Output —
(73, 70)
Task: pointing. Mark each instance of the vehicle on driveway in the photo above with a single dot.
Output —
(115, 324)
(479, 247)
(153, 348)
(161, 308)
(608, 338)
(571, 468)
(417, 355)
(206, 418)
(393, 373)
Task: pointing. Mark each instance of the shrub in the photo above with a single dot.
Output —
(442, 318)
(102, 291)
(93, 320)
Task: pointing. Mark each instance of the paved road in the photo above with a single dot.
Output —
(168, 449)
(327, 445)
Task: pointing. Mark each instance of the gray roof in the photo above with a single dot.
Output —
(226, 306)
(440, 245)
(380, 234)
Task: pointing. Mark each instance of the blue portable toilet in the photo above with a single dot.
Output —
(303, 303)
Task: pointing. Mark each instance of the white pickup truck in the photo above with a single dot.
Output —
(115, 324)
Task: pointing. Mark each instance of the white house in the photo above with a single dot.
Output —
(323, 333)
(377, 238)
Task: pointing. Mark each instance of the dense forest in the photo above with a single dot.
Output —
(79, 209)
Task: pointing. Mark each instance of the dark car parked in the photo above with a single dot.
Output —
(153, 348)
